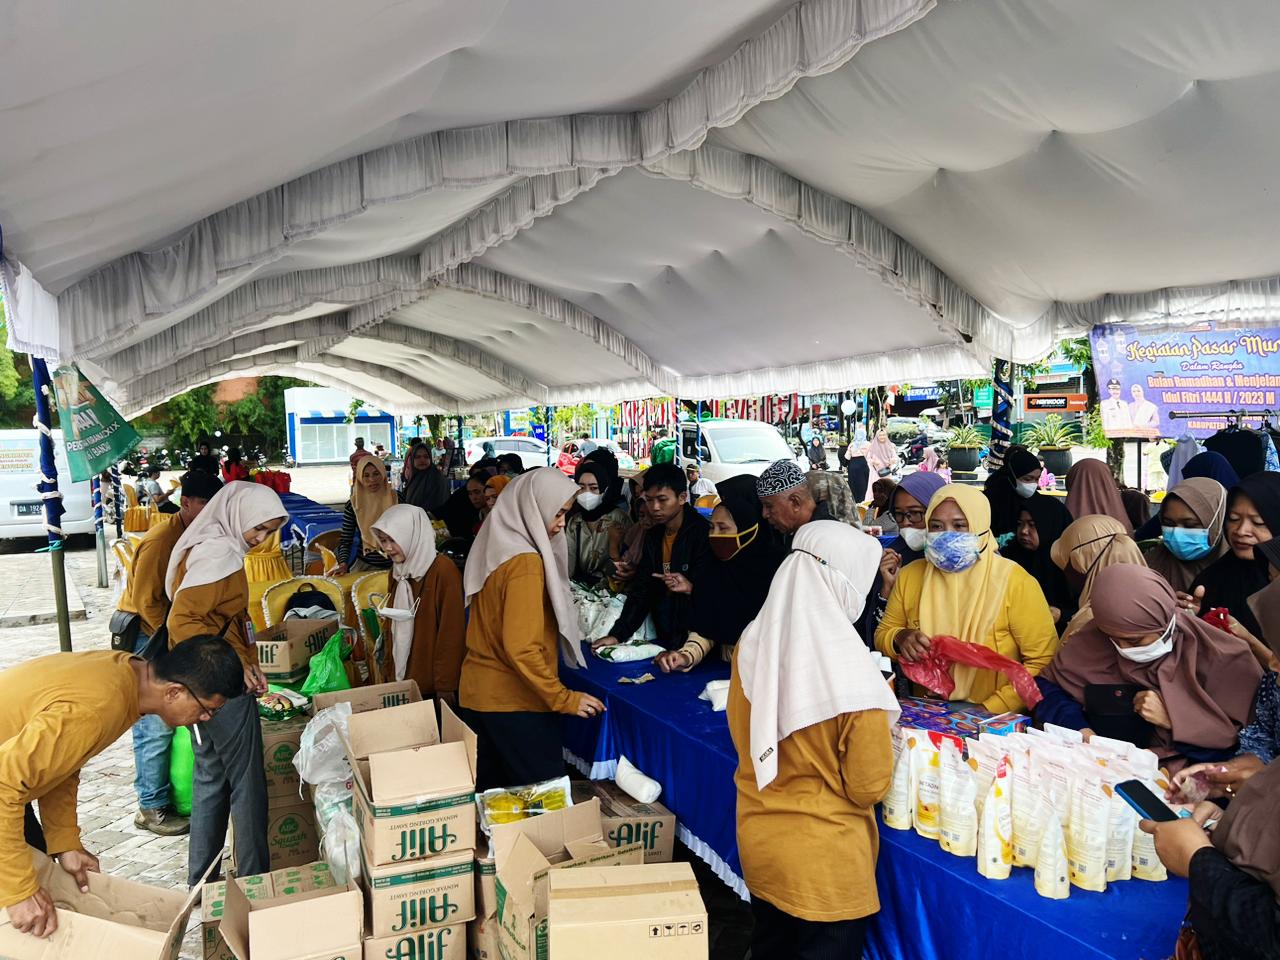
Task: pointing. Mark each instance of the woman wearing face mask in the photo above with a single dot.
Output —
(429, 647)
(597, 523)
(810, 717)
(1086, 548)
(517, 583)
(1193, 685)
(209, 591)
(1253, 518)
(424, 485)
(1016, 484)
(1041, 522)
(910, 500)
(1191, 521)
(370, 498)
(1207, 465)
(748, 552)
(968, 591)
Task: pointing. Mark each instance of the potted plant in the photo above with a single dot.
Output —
(963, 448)
(1053, 439)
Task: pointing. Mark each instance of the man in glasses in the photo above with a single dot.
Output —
(58, 712)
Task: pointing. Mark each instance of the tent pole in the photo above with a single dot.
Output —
(117, 497)
(100, 534)
(53, 509)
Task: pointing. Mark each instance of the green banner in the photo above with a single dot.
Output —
(95, 434)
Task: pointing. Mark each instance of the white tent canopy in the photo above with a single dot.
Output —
(448, 207)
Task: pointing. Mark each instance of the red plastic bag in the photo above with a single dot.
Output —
(934, 671)
(1219, 617)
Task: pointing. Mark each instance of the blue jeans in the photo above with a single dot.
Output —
(151, 739)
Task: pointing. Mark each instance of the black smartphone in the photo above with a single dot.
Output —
(1139, 796)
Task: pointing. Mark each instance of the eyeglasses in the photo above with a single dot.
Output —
(908, 516)
(203, 706)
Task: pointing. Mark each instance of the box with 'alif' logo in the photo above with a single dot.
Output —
(627, 820)
(420, 894)
(440, 943)
(414, 781)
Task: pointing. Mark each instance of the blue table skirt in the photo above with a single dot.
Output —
(933, 906)
(307, 519)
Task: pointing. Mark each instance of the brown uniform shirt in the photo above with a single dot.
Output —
(145, 594)
(204, 610)
(439, 631)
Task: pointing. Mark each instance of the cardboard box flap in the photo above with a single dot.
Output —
(392, 729)
(453, 730)
(624, 893)
(550, 832)
(520, 867)
(301, 925)
(424, 773)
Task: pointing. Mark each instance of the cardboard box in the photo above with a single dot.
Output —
(482, 938)
(376, 697)
(627, 820)
(527, 851)
(280, 741)
(285, 650)
(486, 887)
(650, 912)
(292, 834)
(317, 924)
(419, 894)
(116, 918)
(414, 782)
(440, 943)
(312, 876)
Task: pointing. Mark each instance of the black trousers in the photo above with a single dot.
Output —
(32, 832)
(515, 748)
(780, 936)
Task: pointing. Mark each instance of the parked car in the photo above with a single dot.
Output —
(902, 429)
(734, 447)
(572, 452)
(531, 450)
(21, 509)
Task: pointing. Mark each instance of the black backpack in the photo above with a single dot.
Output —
(308, 596)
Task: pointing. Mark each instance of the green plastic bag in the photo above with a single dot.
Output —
(182, 762)
(326, 673)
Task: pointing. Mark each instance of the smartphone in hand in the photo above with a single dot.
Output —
(1150, 807)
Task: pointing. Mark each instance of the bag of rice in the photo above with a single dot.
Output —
(958, 822)
(1087, 833)
(899, 802)
(926, 783)
(1052, 873)
(995, 828)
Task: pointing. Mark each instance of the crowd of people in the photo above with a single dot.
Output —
(1170, 644)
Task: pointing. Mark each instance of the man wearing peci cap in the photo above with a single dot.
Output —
(1115, 412)
(785, 498)
(144, 596)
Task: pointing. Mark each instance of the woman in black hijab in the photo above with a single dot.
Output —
(731, 592)
(1041, 522)
(1012, 486)
(598, 521)
(1253, 517)
(424, 486)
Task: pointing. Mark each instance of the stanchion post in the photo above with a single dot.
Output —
(48, 487)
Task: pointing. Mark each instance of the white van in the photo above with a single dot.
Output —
(733, 447)
(21, 509)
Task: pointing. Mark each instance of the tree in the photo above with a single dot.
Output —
(17, 396)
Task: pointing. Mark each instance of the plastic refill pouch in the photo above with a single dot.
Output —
(1087, 830)
(926, 785)
(1025, 805)
(995, 826)
(986, 755)
(1122, 822)
(1146, 864)
(898, 802)
(1052, 872)
(958, 821)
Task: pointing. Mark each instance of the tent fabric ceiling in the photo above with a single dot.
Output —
(452, 208)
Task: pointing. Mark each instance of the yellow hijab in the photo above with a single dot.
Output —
(965, 605)
(370, 506)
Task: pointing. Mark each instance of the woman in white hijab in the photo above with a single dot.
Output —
(517, 584)
(209, 591)
(426, 646)
(810, 715)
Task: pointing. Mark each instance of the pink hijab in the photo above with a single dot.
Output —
(1092, 490)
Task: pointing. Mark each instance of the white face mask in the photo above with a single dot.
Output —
(589, 501)
(1026, 490)
(914, 537)
(1152, 651)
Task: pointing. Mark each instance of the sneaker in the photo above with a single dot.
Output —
(162, 822)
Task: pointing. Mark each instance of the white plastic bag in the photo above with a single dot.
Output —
(320, 757)
(331, 798)
(341, 847)
(716, 693)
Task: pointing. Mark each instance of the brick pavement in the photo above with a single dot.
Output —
(107, 802)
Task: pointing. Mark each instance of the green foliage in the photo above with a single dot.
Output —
(1052, 433)
(353, 410)
(966, 436)
(188, 417)
(17, 396)
(1093, 432)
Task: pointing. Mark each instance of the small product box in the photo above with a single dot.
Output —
(285, 650)
(649, 912)
(627, 820)
(958, 719)
(414, 782)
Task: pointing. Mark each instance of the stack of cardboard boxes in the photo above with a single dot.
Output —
(414, 802)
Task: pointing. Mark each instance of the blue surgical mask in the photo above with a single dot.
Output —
(952, 551)
(1185, 543)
